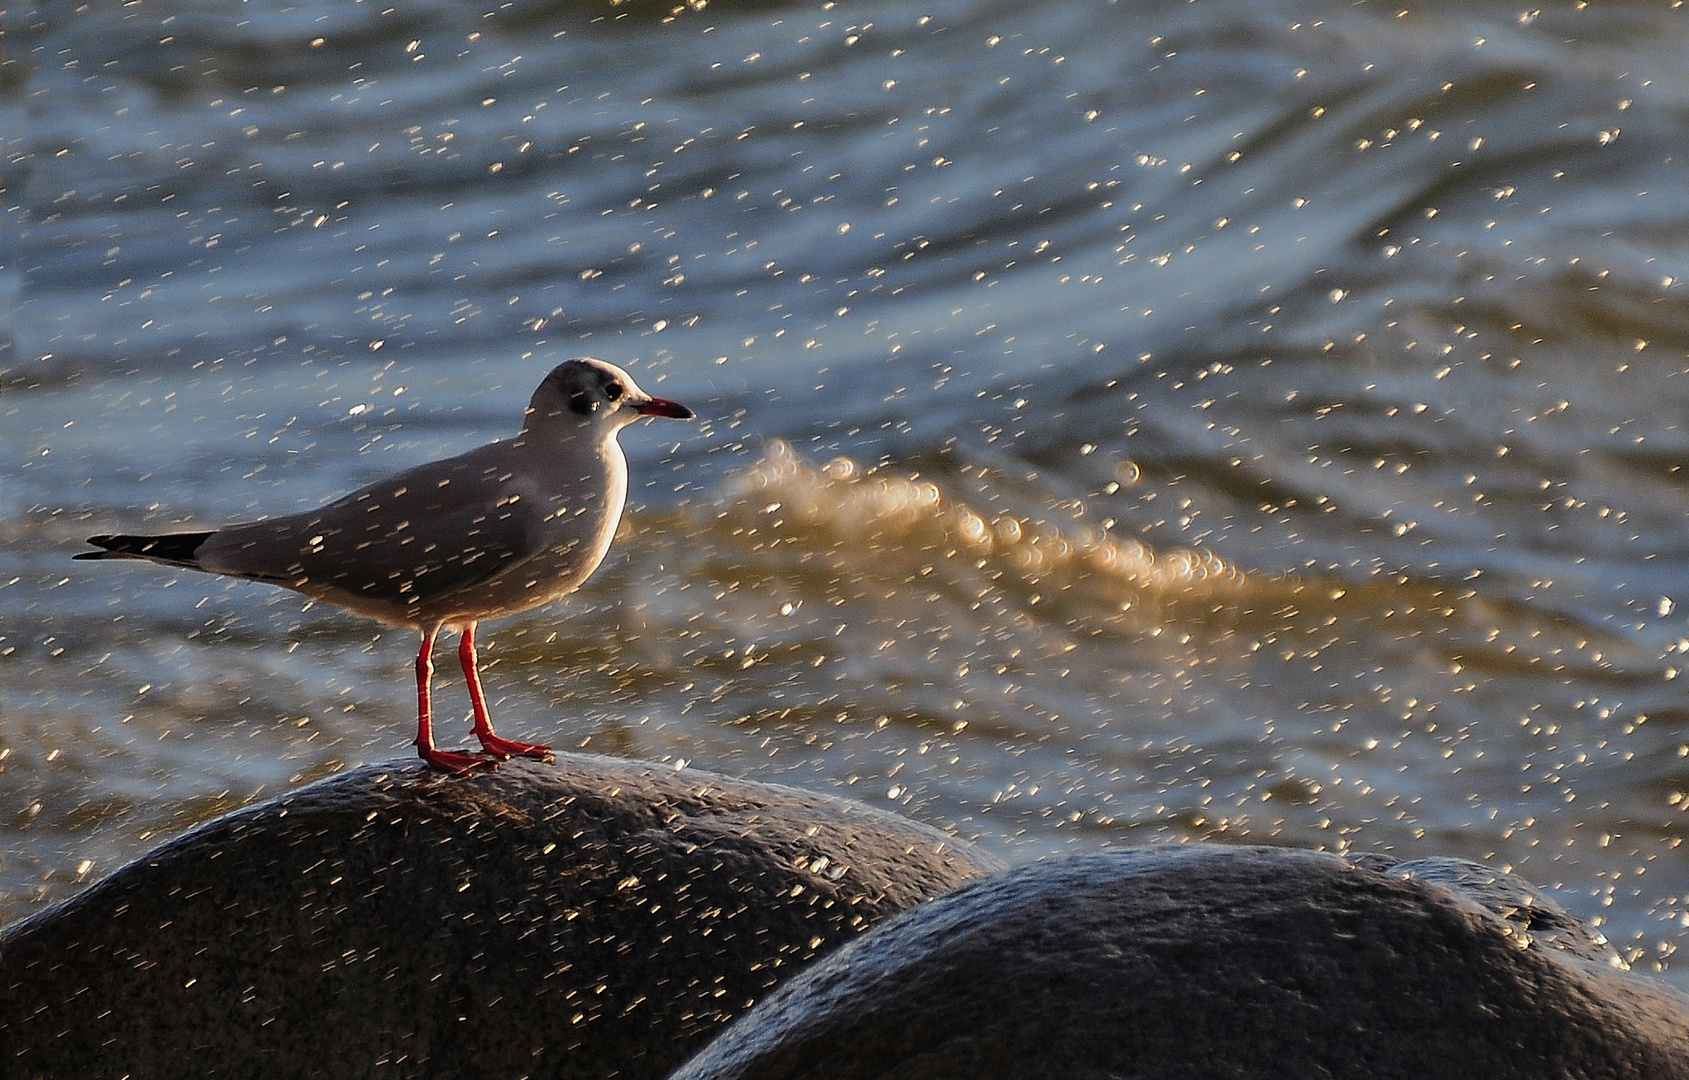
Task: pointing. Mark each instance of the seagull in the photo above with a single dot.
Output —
(501, 529)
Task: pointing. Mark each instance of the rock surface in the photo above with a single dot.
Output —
(594, 918)
(1204, 961)
(1529, 915)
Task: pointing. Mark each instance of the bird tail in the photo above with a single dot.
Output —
(172, 549)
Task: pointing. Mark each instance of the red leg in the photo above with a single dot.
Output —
(490, 742)
(451, 761)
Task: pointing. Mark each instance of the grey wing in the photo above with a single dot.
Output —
(406, 558)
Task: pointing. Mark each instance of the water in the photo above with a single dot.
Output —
(1121, 423)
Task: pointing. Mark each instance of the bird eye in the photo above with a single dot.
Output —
(613, 391)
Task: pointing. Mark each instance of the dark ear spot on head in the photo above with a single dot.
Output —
(582, 402)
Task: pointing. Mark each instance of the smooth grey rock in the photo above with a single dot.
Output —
(594, 918)
(1203, 961)
(1531, 915)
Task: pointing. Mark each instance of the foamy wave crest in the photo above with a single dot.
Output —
(906, 519)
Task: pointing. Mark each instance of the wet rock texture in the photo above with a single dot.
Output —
(594, 918)
(1179, 963)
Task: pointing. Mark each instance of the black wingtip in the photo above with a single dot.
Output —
(171, 547)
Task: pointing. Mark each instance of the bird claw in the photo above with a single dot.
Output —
(458, 763)
(508, 748)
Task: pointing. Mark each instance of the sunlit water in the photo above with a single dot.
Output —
(1121, 423)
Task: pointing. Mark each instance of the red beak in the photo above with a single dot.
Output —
(663, 407)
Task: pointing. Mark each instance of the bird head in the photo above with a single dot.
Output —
(585, 392)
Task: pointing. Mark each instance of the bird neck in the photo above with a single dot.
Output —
(557, 429)
(559, 446)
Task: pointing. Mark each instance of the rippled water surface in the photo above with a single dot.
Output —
(1121, 422)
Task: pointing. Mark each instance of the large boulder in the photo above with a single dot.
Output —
(590, 919)
(1201, 961)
